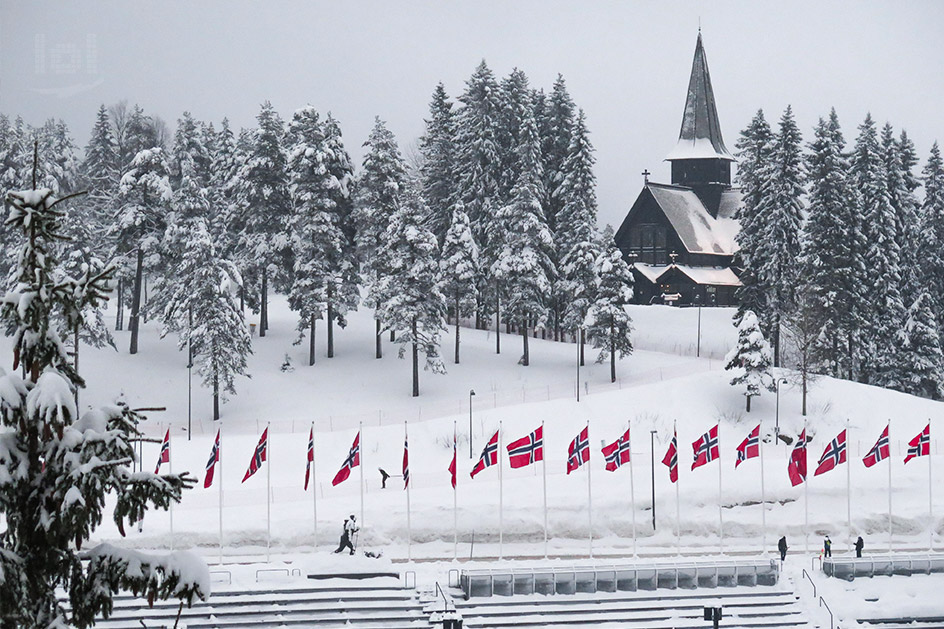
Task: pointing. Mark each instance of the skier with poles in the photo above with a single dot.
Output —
(349, 534)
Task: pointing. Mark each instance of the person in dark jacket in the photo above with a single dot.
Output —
(350, 527)
(782, 547)
(858, 546)
(827, 547)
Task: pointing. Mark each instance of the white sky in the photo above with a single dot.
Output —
(626, 63)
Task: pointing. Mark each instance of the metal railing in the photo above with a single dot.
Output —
(810, 579)
(410, 577)
(822, 603)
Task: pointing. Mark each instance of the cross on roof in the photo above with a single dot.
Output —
(646, 174)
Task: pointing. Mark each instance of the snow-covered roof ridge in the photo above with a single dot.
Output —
(698, 230)
(700, 135)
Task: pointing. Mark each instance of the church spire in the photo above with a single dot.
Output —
(700, 136)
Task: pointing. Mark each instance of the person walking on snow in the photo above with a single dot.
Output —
(858, 547)
(350, 528)
(782, 547)
(827, 547)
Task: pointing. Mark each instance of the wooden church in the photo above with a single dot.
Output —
(680, 238)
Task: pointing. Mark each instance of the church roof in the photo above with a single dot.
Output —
(707, 276)
(700, 136)
(698, 230)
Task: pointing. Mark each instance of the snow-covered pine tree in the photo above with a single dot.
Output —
(143, 199)
(59, 468)
(930, 258)
(923, 367)
(611, 327)
(781, 212)
(58, 167)
(751, 358)
(754, 152)
(413, 304)
(190, 144)
(265, 208)
(523, 267)
(900, 161)
(557, 131)
(575, 240)
(458, 267)
(884, 308)
(516, 105)
(833, 268)
(438, 146)
(379, 188)
(100, 168)
(343, 292)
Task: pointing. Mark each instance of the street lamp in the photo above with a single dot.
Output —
(698, 341)
(652, 450)
(777, 384)
(471, 394)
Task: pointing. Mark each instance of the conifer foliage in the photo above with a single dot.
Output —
(458, 268)
(610, 325)
(751, 358)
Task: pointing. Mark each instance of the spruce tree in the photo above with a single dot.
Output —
(751, 358)
(931, 243)
(458, 268)
(59, 468)
(557, 146)
(190, 144)
(516, 106)
(923, 367)
(439, 174)
(611, 327)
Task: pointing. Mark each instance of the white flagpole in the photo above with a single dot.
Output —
(360, 459)
(930, 493)
(501, 499)
(678, 510)
(314, 489)
(409, 530)
(763, 499)
(632, 485)
(848, 482)
(455, 497)
(720, 507)
(806, 492)
(268, 462)
(170, 469)
(544, 474)
(219, 466)
(589, 497)
(889, 486)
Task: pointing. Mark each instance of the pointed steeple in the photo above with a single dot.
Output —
(700, 136)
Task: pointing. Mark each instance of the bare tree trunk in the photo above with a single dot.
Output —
(526, 358)
(416, 362)
(583, 341)
(805, 388)
(75, 332)
(330, 329)
(612, 352)
(748, 404)
(134, 318)
(311, 341)
(216, 397)
(263, 310)
(498, 322)
(393, 336)
(119, 320)
(457, 327)
(378, 352)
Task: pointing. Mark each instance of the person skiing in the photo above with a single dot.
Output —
(350, 528)
(858, 547)
(383, 478)
(782, 547)
(827, 547)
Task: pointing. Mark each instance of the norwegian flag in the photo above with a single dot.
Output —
(527, 450)
(452, 466)
(489, 456)
(707, 448)
(833, 455)
(259, 456)
(353, 460)
(311, 455)
(671, 458)
(164, 456)
(211, 464)
(797, 466)
(617, 453)
(749, 448)
(920, 445)
(579, 451)
(879, 452)
(406, 463)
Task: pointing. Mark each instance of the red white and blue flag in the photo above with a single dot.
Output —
(406, 461)
(707, 448)
(353, 460)
(452, 466)
(920, 445)
(833, 455)
(527, 450)
(617, 453)
(164, 456)
(879, 452)
(797, 466)
(258, 456)
(211, 463)
(749, 448)
(671, 458)
(311, 456)
(579, 451)
(489, 456)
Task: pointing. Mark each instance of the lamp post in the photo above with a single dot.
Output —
(189, 375)
(652, 450)
(698, 337)
(777, 384)
(471, 394)
(579, 332)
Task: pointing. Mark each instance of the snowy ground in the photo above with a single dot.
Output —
(655, 388)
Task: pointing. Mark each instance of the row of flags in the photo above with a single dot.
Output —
(530, 449)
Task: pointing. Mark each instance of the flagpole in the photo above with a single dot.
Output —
(501, 500)
(544, 474)
(930, 492)
(170, 469)
(360, 459)
(455, 497)
(589, 495)
(720, 507)
(632, 485)
(678, 511)
(219, 463)
(848, 483)
(806, 491)
(763, 494)
(409, 530)
(314, 489)
(268, 496)
(889, 486)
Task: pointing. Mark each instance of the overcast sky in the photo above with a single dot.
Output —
(626, 63)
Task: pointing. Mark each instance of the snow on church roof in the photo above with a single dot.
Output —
(706, 276)
(700, 136)
(698, 230)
